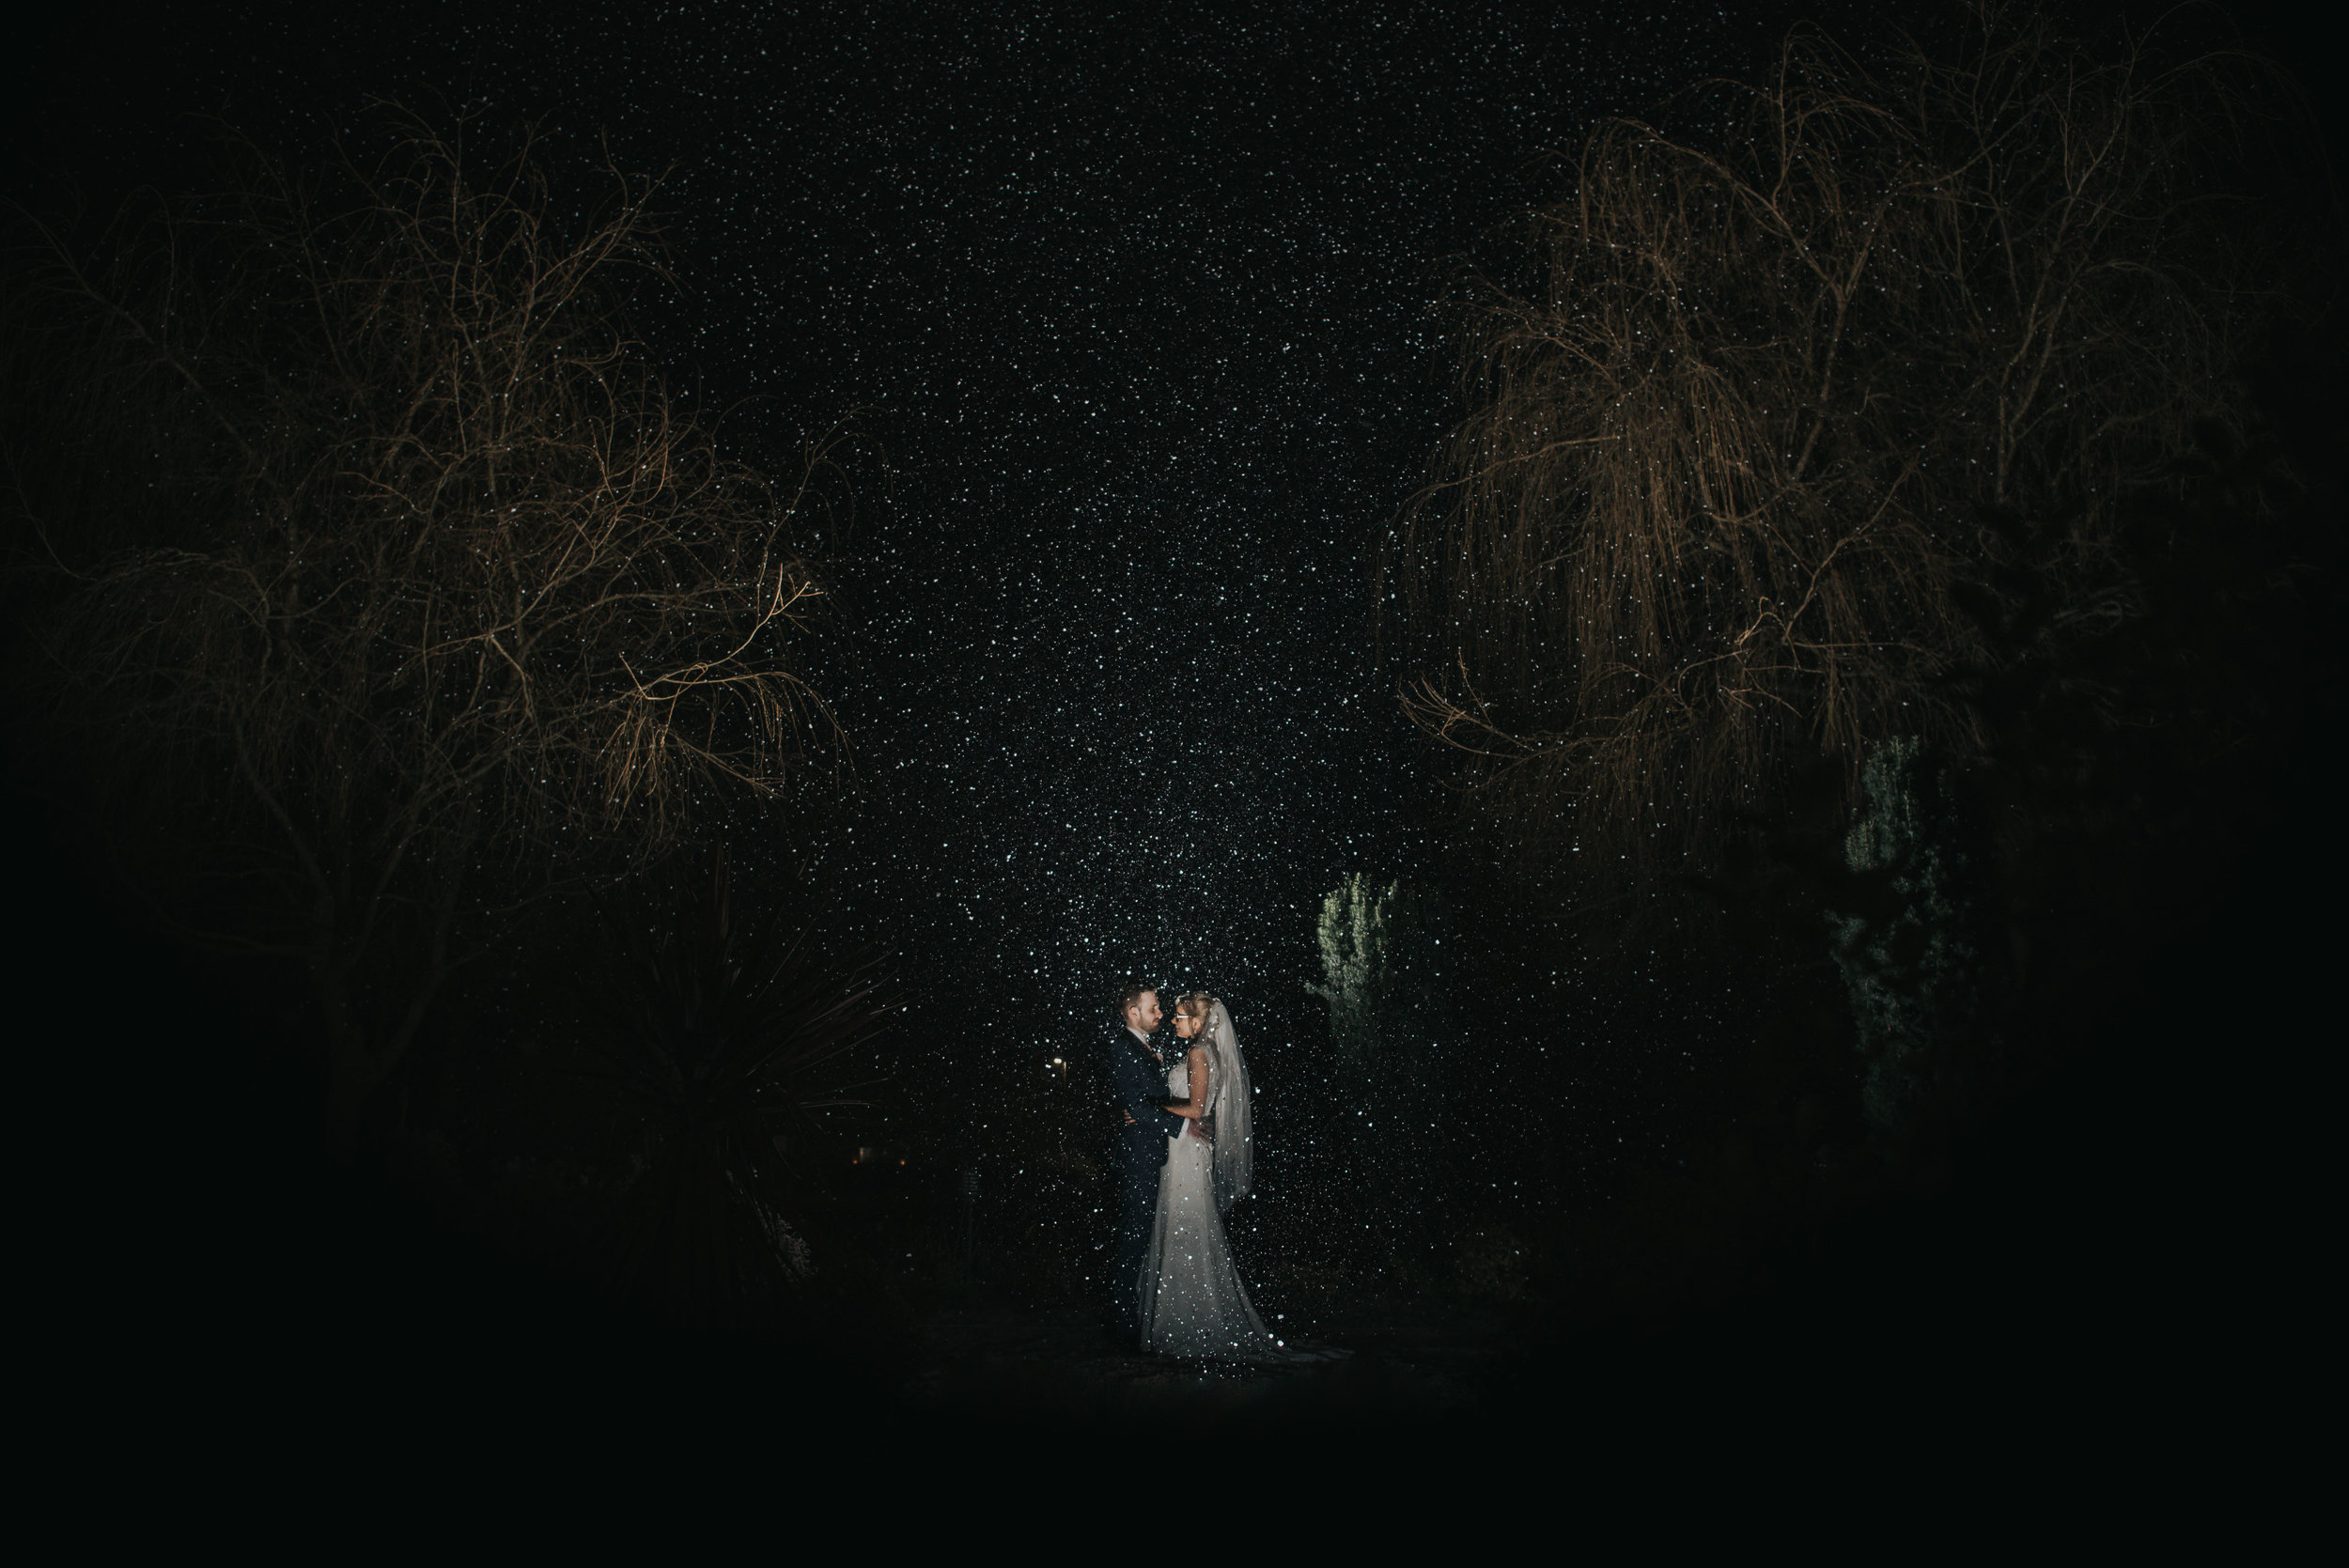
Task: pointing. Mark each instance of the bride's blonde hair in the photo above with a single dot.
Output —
(1196, 1006)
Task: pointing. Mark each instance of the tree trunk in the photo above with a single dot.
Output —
(354, 1071)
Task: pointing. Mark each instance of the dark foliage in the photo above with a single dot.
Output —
(722, 1044)
(2123, 774)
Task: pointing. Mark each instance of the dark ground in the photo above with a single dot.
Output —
(2135, 1244)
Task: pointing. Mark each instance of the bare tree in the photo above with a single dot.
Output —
(1726, 472)
(382, 580)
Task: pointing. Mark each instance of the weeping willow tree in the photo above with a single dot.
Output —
(1725, 478)
(372, 578)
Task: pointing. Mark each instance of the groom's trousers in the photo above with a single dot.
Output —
(1137, 1206)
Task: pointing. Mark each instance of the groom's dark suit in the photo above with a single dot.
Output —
(1138, 1083)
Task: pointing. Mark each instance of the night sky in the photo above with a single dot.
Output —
(1141, 309)
(1139, 304)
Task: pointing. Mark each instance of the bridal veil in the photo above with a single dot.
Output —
(1228, 1104)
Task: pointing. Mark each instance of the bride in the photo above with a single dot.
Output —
(1193, 1302)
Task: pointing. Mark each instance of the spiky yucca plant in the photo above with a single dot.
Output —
(724, 1040)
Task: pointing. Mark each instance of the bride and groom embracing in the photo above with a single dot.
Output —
(1182, 1156)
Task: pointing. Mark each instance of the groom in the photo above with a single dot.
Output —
(1138, 1081)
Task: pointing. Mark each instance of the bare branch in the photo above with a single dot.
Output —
(1723, 471)
(378, 527)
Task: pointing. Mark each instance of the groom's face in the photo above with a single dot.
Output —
(1143, 1014)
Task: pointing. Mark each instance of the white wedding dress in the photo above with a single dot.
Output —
(1192, 1303)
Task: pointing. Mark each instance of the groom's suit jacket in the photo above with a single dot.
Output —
(1138, 1083)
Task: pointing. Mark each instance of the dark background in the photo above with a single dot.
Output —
(1136, 309)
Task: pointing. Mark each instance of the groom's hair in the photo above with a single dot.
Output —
(1127, 996)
